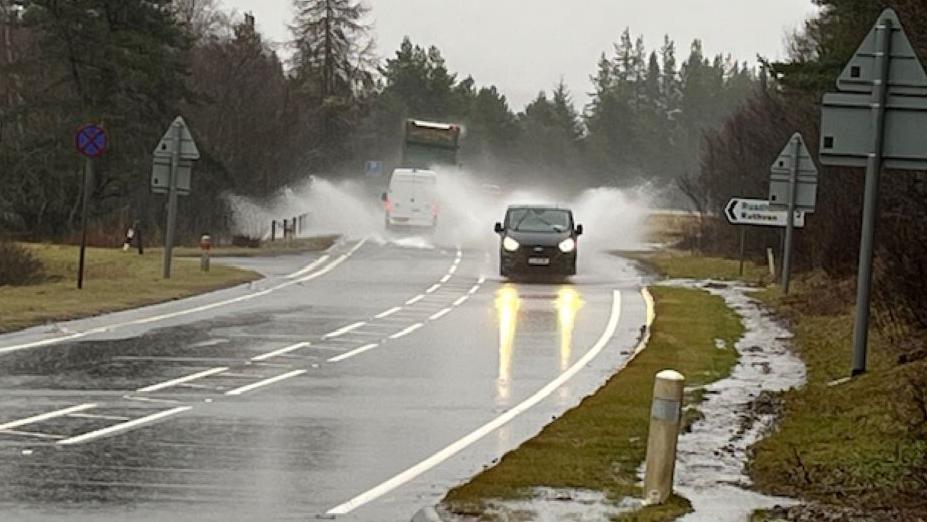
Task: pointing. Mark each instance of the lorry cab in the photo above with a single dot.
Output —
(411, 199)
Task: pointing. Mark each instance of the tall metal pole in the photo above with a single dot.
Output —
(870, 200)
(88, 184)
(172, 201)
(790, 218)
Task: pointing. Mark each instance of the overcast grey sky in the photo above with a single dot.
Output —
(524, 46)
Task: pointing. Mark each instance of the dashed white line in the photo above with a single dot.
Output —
(407, 331)
(125, 426)
(265, 382)
(481, 280)
(433, 289)
(461, 300)
(281, 351)
(489, 427)
(341, 331)
(181, 380)
(45, 416)
(352, 353)
(453, 270)
(388, 313)
(415, 299)
(440, 314)
(446, 278)
(475, 289)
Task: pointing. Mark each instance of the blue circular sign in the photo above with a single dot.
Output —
(91, 140)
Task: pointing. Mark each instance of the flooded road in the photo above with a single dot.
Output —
(358, 384)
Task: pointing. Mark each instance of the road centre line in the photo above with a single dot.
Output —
(481, 280)
(33, 434)
(415, 299)
(461, 300)
(388, 313)
(440, 314)
(453, 269)
(341, 331)
(247, 297)
(474, 289)
(265, 382)
(310, 267)
(402, 333)
(503, 419)
(181, 380)
(433, 289)
(125, 426)
(446, 278)
(46, 416)
(281, 351)
(352, 353)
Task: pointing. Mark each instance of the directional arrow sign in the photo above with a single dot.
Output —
(906, 75)
(740, 211)
(806, 183)
(188, 150)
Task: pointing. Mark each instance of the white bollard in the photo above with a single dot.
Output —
(664, 432)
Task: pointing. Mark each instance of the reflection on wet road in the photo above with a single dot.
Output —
(362, 393)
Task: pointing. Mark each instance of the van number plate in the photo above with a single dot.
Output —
(539, 261)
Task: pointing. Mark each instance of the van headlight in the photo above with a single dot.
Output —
(567, 245)
(510, 244)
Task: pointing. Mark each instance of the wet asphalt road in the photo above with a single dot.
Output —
(358, 384)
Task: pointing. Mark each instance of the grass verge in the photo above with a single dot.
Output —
(279, 247)
(113, 280)
(861, 444)
(600, 444)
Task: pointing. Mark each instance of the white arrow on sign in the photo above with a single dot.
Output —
(758, 212)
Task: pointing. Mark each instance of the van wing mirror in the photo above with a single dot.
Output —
(499, 228)
(579, 230)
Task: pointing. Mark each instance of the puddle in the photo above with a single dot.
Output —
(558, 505)
(710, 468)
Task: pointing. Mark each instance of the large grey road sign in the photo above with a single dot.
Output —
(163, 155)
(806, 181)
(878, 120)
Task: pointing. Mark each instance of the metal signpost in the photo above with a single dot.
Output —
(878, 119)
(90, 142)
(171, 174)
(793, 185)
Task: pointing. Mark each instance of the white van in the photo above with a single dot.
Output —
(412, 199)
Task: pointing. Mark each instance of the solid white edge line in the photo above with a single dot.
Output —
(281, 351)
(116, 428)
(45, 416)
(492, 425)
(461, 300)
(247, 297)
(440, 314)
(265, 382)
(310, 267)
(341, 331)
(433, 289)
(181, 380)
(402, 333)
(388, 313)
(415, 299)
(352, 353)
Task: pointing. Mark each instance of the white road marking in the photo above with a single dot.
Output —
(388, 313)
(46, 416)
(475, 289)
(433, 289)
(489, 427)
(95, 416)
(281, 351)
(125, 426)
(341, 331)
(446, 278)
(210, 342)
(265, 382)
(181, 380)
(33, 434)
(481, 280)
(247, 297)
(407, 331)
(453, 270)
(461, 300)
(148, 399)
(415, 299)
(352, 353)
(310, 267)
(440, 314)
